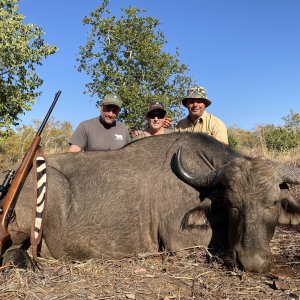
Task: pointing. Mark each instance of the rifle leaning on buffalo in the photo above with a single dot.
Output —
(14, 181)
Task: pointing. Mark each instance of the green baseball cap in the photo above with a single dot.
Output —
(197, 92)
(112, 99)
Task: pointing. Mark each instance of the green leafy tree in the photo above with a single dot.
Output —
(22, 48)
(292, 120)
(125, 55)
(280, 138)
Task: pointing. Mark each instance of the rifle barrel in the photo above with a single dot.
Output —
(48, 113)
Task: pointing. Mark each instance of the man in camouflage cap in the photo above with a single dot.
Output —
(198, 119)
(103, 132)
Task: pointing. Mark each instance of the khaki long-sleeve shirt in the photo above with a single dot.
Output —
(207, 123)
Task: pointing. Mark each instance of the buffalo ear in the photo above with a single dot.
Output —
(197, 217)
(289, 210)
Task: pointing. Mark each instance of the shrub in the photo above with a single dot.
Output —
(280, 139)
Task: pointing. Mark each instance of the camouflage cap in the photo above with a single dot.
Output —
(197, 92)
(112, 99)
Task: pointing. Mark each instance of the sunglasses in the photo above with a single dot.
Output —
(158, 114)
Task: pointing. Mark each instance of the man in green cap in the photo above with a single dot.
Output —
(103, 132)
(198, 119)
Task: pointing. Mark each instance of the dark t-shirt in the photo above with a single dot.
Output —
(94, 135)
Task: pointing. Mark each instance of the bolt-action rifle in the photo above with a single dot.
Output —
(14, 181)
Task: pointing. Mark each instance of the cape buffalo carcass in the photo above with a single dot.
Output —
(145, 197)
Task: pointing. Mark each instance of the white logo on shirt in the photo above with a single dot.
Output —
(118, 137)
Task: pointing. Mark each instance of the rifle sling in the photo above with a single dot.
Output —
(40, 197)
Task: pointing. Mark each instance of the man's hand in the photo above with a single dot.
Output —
(137, 133)
(167, 122)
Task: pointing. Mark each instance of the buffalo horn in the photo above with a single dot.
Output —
(205, 180)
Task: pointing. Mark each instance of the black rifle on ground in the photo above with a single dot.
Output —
(5, 186)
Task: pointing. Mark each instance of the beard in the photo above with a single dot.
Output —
(108, 120)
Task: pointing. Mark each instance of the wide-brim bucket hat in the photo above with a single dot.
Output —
(197, 92)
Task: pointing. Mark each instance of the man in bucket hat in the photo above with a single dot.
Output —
(103, 132)
(198, 119)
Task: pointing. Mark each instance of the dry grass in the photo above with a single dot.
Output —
(189, 274)
(291, 157)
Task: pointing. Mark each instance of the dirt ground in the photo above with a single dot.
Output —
(188, 274)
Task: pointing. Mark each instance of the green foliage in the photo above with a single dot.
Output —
(22, 48)
(280, 138)
(126, 56)
(232, 141)
(292, 120)
(269, 137)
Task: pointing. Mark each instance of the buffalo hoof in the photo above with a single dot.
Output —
(18, 258)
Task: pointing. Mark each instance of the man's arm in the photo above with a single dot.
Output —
(78, 139)
(220, 132)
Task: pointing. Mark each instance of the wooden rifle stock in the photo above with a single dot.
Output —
(15, 187)
(10, 199)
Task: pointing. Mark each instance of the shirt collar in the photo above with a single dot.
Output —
(200, 119)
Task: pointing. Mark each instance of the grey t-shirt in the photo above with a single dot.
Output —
(94, 135)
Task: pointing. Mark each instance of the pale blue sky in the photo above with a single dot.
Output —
(246, 53)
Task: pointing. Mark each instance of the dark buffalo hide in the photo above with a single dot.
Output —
(166, 192)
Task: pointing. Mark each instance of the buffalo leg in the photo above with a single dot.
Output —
(16, 254)
(18, 258)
